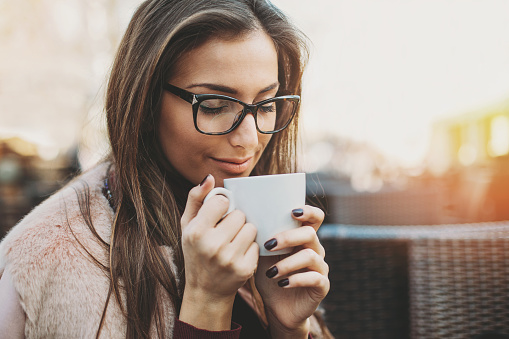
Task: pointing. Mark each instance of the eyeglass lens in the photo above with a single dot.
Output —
(219, 115)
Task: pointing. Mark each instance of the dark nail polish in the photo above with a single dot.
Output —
(283, 282)
(270, 244)
(205, 179)
(272, 272)
(298, 212)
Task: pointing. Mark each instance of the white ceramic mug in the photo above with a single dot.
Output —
(267, 201)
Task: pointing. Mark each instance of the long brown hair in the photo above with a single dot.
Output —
(149, 193)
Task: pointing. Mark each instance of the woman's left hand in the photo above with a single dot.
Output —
(292, 286)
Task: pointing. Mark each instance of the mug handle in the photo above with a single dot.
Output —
(222, 191)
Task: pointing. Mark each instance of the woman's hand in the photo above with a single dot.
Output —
(220, 255)
(292, 286)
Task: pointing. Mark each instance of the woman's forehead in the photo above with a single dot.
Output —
(248, 58)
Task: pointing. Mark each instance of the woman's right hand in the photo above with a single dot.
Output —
(220, 255)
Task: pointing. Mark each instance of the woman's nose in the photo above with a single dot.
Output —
(245, 135)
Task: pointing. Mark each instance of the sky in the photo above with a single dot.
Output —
(380, 71)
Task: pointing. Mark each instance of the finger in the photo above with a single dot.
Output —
(212, 211)
(212, 237)
(229, 227)
(304, 236)
(250, 258)
(195, 199)
(245, 264)
(243, 239)
(238, 245)
(304, 259)
(318, 281)
(309, 216)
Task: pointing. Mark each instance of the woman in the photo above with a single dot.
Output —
(129, 249)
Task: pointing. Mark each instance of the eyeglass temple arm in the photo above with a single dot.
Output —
(181, 93)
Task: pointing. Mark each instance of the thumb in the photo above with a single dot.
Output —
(195, 199)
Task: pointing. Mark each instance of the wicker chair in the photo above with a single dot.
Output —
(439, 281)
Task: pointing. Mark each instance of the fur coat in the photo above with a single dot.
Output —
(62, 290)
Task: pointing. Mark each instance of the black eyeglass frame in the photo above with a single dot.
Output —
(196, 99)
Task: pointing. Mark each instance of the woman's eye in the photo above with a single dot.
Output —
(271, 108)
(211, 110)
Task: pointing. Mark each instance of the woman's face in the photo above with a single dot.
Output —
(244, 68)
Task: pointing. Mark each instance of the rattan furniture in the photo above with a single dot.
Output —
(419, 282)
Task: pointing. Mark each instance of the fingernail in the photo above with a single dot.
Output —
(205, 179)
(283, 282)
(272, 272)
(270, 244)
(298, 212)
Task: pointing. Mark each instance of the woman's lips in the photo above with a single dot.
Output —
(233, 166)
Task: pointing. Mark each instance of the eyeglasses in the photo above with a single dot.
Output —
(216, 114)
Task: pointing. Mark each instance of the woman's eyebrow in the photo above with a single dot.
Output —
(229, 90)
(270, 87)
(214, 87)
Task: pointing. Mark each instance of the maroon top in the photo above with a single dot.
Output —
(249, 328)
(184, 330)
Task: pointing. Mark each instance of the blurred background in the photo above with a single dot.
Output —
(405, 104)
